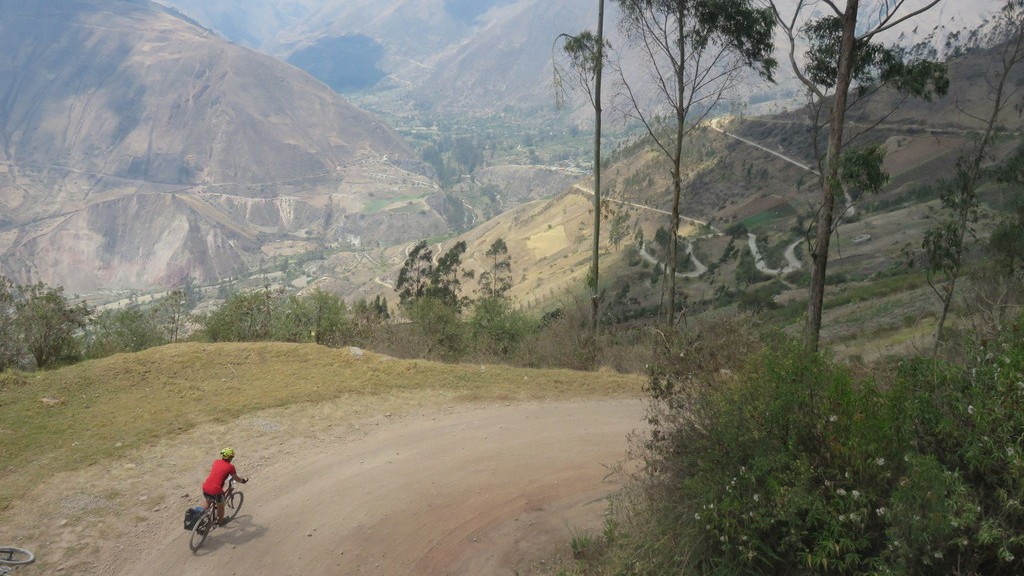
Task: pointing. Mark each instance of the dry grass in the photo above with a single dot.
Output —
(111, 407)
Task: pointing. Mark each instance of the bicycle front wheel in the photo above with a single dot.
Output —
(232, 505)
(15, 556)
(201, 530)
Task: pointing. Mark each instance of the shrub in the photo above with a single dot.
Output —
(439, 332)
(498, 328)
(320, 317)
(47, 323)
(792, 465)
(244, 317)
(564, 341)
(128, 329)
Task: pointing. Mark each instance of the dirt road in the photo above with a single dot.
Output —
(474, 490)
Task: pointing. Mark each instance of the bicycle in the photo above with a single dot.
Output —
(15, 556)
(208, 521)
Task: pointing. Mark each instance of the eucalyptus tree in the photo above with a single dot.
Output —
(496, 281)
(423, 277)
(944, 244)
(587, 53)
(842, 54)
(696, 52)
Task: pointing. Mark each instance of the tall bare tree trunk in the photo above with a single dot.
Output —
(677, 175)
(595, 293)
(697, 53)
(823, 234)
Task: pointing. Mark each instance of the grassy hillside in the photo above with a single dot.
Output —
(119, 406)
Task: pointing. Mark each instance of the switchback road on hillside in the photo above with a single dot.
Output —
(792, 262)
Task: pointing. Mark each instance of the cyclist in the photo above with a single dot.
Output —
(213, 488)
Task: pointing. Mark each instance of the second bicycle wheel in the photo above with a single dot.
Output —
(15, 556)
(200, 530)
(232, 505)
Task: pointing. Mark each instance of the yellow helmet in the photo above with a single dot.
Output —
(227, 453)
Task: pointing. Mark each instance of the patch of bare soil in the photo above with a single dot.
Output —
(753, 205)
(495, 489)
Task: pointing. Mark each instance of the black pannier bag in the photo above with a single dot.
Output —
(192, 516)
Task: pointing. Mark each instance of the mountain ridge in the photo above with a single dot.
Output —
(107, 100)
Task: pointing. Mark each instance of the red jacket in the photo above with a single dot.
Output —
(219, 472)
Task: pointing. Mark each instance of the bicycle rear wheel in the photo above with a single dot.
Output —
(202, 529)
(232, 505)
(12, 555)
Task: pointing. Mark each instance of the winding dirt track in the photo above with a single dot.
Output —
(493, 490)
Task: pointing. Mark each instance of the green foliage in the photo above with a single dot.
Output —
(907, 70)
(583, 52)
(128, 329)
(273, 315)
(563, 339)
(498, 329)
(760, 298)
(965, 434)
(1007, 241)
(244, 317)
(439, 330)
(319, 317)
(371, 312)
(452, 158)
(943, 247)
(1006, 244)
(747, 272)
(46, 323)
(618, 230)
(9, 348)
(456, 211)
(587, 55)
(860, 169)
(662, 237)
(498, 279)
(420, 277)
(792, 484)
(784, 462)
(444, 280)
(42, 323)
(415, 274)
(171, 313)
(737, 230)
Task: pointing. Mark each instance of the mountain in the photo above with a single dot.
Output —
(751, 175)
(452, 57)
(139, 150)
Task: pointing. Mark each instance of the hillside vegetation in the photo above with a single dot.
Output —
(73, 417)
(766, 459)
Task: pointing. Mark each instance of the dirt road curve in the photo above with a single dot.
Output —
(491, 490)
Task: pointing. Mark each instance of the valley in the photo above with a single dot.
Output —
(319, 213)
(353, 239)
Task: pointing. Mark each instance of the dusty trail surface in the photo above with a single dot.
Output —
(478, 490)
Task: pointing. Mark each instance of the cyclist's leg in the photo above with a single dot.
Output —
(217, 499)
